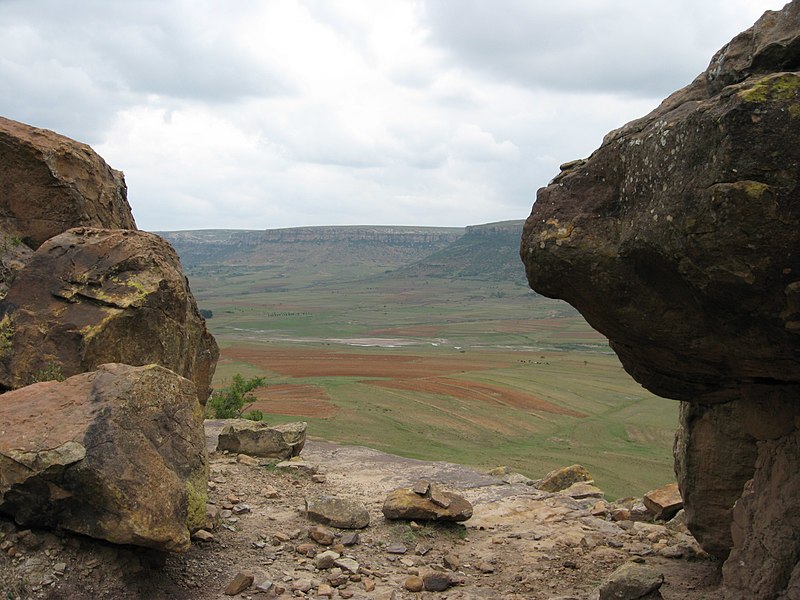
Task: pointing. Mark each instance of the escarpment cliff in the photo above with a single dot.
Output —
(678, 239)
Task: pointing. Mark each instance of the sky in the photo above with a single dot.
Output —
(261, 114)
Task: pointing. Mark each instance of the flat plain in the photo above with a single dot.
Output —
(476, 370)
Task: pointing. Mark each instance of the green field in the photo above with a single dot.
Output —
(472, 364)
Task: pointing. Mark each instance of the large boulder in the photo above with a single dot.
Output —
(94, 296)
(679, 239)
(257, 438)
(50, 183)
(117, 454)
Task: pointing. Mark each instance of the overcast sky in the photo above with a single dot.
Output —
(276, 113)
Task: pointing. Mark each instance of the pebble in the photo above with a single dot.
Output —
(414, 583)
(322, 535)
(348, 564)
(240, 583)
(396, 548)
(325, 590)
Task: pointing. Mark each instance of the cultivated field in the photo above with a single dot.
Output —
(471, 371)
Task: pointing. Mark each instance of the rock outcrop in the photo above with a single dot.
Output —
(50, 183)
(117, 454)
(94, 296)
(679, 239)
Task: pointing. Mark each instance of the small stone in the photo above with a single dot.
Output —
(201, 535)
(302, 585)
(438, 496)
(369, 585)
(240, 583)
(582, 489)
(337, 512)
(620, 514)
(351, 538)
(396, 548)
(414, 526)
(452, 561)
(630, 582)
(322, 535)
(639, 512)
(325, 590)
(249, 461)
(422, 549)
(60, 568)
(326, 560)
(414, 584)
(346, 594)
(672, 552)
(265, 586)
(269, 492)
(241, 509)
(305, 548)
(436, 581)
(226, 514)
(281, 537)
(348, 564)
(600, 509)
(421, 487)
(485, 567)
(664, 502)
(319, 478)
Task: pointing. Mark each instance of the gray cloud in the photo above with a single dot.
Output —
(257, 114)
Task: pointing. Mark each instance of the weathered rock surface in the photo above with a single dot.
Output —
(94, 296)
(664, 502)
(50, 183)
(337, 512)
(679, 239)
(407, 505)
(117, 454)
(257, 438)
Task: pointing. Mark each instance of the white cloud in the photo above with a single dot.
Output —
(295, 112)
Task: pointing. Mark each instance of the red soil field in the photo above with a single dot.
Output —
(296, 400)
(470, 390)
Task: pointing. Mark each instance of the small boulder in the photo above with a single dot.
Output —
(561, 479)
(405, 504)
(256, 438)
(83, 455)
(664, 502)
(337, 512)
(632, 581)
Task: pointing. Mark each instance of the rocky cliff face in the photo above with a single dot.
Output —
(678, 239)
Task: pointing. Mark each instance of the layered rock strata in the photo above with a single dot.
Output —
(679, 239)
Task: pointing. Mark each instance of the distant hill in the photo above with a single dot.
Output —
(318, 254)
(489, 251)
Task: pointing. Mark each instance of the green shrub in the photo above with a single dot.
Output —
(50, 372)
(231, 402)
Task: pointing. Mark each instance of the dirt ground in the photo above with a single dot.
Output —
(521, 543)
